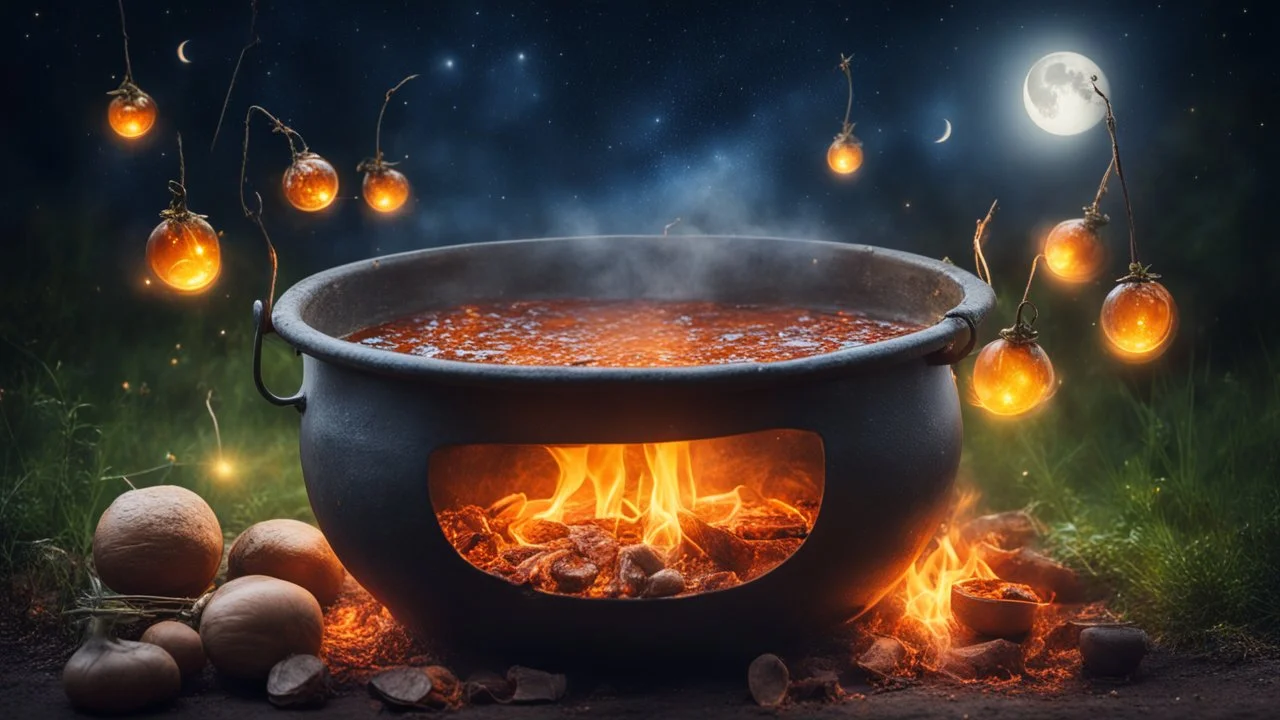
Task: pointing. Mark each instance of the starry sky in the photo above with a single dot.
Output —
(551, 118)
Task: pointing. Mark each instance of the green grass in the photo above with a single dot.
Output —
(1165, 490)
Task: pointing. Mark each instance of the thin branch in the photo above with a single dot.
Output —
(1035, 263)
(377, 142)
(253, 40)
(256, 217)
(1115, 158)
(217, 434)
(182, 165)
(667, 228)
(128, 66)
(979, 239)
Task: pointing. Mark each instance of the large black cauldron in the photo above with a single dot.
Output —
(888, 415)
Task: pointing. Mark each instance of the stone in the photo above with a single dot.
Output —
(298, 681)
(1112, 650)
(535, 686)
(403, 687)
(768, 680)
(665, 583)
(885, 656)
(989, 660)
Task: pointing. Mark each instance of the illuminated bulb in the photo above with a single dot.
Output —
(223, 469)
(183, 253)
(1073, 251)
(1139, 318)
(1012, 377)
(845, 155)
(131, 114)
(385, 189)
(310, 183)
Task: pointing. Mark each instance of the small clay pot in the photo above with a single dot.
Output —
(1010, 619)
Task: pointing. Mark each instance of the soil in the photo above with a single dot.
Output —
(1168, 685)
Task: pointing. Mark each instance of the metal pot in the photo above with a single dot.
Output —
(888, 415)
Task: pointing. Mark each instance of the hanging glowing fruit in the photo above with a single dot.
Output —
(183, 250)
(385, 189)
(310, 182)
(1073, 249)
(1139, 317)
(844, 156)
(131, 112)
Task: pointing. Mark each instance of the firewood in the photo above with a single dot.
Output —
(595, 544)
(508, 507)
(534, 686)
(645, 557)
(1006, 530)
(727, 550)
(540, 532)
(403, 687)
(484, 686)
(1049, 578)
(768, 680)
(570, 572)
(884, 657)
(298, 681)
(991, 659)
(665, 583)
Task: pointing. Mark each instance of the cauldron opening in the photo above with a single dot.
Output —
(630, 521)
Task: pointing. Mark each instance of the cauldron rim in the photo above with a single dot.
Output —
(940, 342)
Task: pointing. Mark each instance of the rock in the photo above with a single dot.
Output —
(446, 690)
(595, 544)
(883, 657)
(665, 583)
(1112, 650)
(484, 686)
(768, 680)
(1006, 530)
(402, 687)
(534, 686)
(298, 681)
(540, 532)
(992, 659)
(1050, 579)
(571, 573)
(644, 557)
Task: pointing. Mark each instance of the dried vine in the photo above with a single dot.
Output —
(1137, 272)
(253, 41)
(127, 87)
(1023, 330)
(256, 216)
(846, 128)
(1094, 218)
(979, 239)
(177, 210)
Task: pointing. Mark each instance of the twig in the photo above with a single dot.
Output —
(377, 140)
(846, 128)
(1115, 159)
(217, 434)
(289, 134)
(667, 228)
(980, 238)
(253, 40)
(1035, 263)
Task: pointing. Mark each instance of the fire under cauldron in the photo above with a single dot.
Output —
(887, 416)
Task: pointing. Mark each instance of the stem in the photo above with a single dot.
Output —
(377, 141)
(128, 66)
(848, 76)
(979, 237)
(1035, 263)
(1102, 186)
(1115, 159)
(182, 165)
(253, 40)
(217, 434)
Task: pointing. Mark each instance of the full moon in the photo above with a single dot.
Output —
(1058, 94)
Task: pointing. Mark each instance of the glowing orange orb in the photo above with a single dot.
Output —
(845, 155)
(131, 115)
(1138, 320)
(1011, 378)
(310, 183)
(184, 254)
(1073, 251)
(385, 189)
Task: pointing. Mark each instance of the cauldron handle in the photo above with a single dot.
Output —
(954, 352)
(260, 328)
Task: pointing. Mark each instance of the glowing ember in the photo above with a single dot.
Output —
(361, 637)
(636, 520)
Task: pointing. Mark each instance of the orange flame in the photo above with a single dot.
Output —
(596, 483)
(927, 584)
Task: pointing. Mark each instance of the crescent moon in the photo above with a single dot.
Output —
(946, 134)
(182, 52)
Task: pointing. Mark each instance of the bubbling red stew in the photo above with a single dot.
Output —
(626, 333)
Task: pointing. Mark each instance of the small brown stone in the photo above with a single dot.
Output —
(298, 681)
(645, 557)
(1112, 650)
(665, 583)
(884, 656)
(768, 680)
(991, 659)
(595, 544)
(571, 573)
(404, 687)
(535, 686)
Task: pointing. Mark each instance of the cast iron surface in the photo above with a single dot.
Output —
(888, 415)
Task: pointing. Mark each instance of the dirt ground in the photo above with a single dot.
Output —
(1169, 685)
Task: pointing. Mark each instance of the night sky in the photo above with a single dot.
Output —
(541, 118)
